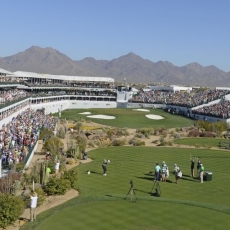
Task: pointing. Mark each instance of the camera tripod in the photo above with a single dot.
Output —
(156, 185)
(131, 192)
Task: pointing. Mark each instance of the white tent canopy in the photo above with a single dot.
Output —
(5, 71)
(62, 77)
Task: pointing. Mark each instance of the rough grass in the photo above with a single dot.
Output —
(203, 142)
(187, 205)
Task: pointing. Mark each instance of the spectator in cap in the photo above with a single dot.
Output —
(201, 172)
(175, 171)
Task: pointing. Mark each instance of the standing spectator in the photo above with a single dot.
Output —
(157, 172)
(201, 173)
(192, 167)
(57, 166)
(33, 206)
(178, 176)
(198, 167)
(164, 171)
(48, 155)
(48, 171)
(175, 171)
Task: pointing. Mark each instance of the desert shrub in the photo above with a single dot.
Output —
(155, 141)
(70, 161)
(110, 132)
(82, 142)
(106, 143)
(170, 143)
(122, 132)
(219, 126)
(71, 176)
(56, 186)
(145, 131)
(164, 134)
(194, 133)
(6, 183)
(45, 133)
(19, 166)
(53, 145)
(61, 133)
(91, 144)
(97, 143)
(118, 142)
(139, 135)
(162, 141)
(158, 130)
(172, 133)
(177, 136)
(78, 126)
(10, 209)
(207, 134)
(136, 142)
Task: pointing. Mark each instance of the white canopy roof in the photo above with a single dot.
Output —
(62, 77)
(5, 71)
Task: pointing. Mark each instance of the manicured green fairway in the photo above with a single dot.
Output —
(130, 118)
(187, 205)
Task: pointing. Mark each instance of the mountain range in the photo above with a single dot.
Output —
(131, 67)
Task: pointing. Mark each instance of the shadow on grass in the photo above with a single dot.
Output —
(192, 180)
(144, 178)
(95, 172)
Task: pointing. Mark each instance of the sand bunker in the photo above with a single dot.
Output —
(144, 110)
(154, 117)
(102, 117)
(85, 113)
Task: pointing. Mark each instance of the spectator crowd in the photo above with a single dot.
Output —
(21, 134)
(189, 100)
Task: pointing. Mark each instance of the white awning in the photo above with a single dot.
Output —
(5, 71)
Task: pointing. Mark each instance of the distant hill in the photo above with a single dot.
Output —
(131, 66)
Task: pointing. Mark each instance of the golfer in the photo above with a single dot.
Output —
(104, 167)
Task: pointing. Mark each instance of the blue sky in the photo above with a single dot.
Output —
(178, 31)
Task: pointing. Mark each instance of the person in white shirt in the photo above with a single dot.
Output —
(57, 165)
(175, 171)
(179, 175)
(33, 206)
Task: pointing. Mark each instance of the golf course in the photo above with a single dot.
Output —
(105, 202)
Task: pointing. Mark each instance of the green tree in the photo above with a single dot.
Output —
(56, 186)
(10, 209)
(53, 145)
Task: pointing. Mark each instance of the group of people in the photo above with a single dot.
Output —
(8, 95)
(161, 172)
(200, 169)
(186, 99)
(220, 110)
(21, 134)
